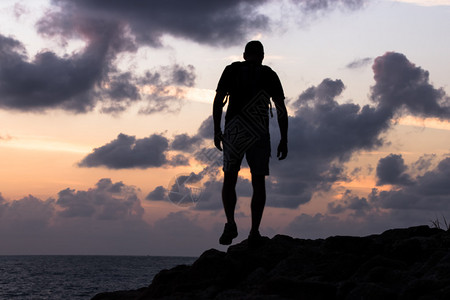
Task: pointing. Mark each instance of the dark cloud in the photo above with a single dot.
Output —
(430, 191)
(20, 10)
(392, 170)
(349, 202)
(418, 203)
(211, 195)
(74, 82)
(120, 92)
(47, 81)
(401, 85)
(424, 162)
(158, 194)
(425, 194)
(323, 5)
(184, 142)
(181, 230)
(28, 215)
(164, 87)
(222, 22)
(79, 82)
(323, 226)
(324, 134)
(128, 152)
(179, 160)
(104, 220)
(359, 63)
(108, 201)
(375, 222)
(205, 129)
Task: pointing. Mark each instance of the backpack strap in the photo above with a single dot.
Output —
(225, 100)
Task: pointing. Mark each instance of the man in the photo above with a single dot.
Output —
(248, 87)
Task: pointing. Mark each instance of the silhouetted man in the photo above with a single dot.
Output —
(248, 87)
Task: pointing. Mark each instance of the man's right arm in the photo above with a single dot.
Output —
(217, 118)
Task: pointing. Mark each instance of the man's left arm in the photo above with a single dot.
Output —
(282, 117)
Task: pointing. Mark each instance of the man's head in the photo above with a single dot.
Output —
(254, 51)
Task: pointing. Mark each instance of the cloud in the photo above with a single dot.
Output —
(128, 152)
(108, 201)
(421, 195)
(158, 194)
(80, 81)
(106, 219)
(401, 85)
(184, 142)
(181, 231)
(359, 205)
(323, 5)
(324, 134)
(77, 83)
(359, 63)
(425, 198)
(326, 225)
(222, 23)
(428, 192)
(424, 162)
(205, 130)
(391, 170)
(163, 87)
(48, 81)
(27, 215)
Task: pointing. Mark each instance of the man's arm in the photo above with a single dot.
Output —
(282, 118)
(217, 117)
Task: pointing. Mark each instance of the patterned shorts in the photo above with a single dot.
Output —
(237, 142)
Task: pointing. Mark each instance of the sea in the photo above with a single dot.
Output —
(56, 277)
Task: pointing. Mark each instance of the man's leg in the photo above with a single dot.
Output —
(229, 194)
(229, 204)
(258, 202)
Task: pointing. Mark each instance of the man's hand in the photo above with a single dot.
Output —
(218, 137)
(282, 150)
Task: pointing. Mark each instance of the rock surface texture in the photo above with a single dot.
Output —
(412, 263)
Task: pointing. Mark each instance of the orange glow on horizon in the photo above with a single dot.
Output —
(434, 123)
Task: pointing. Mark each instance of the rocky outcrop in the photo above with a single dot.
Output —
(412, 263)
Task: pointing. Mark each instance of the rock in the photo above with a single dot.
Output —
(411, 263)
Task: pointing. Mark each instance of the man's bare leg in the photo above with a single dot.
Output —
(229, 204)
(258, 202)
(229, 195)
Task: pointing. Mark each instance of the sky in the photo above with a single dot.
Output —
(105, 121)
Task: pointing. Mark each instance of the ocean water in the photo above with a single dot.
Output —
(78, 277)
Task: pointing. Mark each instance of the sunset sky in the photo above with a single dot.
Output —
(106, 105)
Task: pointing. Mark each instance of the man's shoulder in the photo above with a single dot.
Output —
(235, 64)
(268, 69)
(233, 67)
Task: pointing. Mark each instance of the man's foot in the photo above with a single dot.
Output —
(229, 233)
(255, 239)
